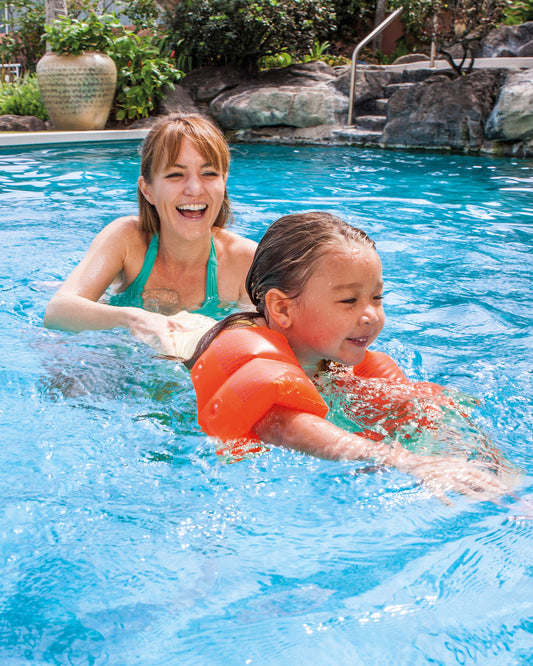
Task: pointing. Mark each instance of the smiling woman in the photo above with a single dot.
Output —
(175, 254)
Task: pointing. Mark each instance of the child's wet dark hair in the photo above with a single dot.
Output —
(285, 259)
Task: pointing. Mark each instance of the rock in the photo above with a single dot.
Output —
(144, 123)
(525, 51)
(295, 106)
(178, 100)
(512, 116)
(506, 40)
(208, 82)
(21, 124)
(369, 84)
(410, 57)
(441, 112)
(295, 96)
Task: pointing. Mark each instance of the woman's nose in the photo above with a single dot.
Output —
(193, 185)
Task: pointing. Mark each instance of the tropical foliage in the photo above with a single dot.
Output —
(242, 32)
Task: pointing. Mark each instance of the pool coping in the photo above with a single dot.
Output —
(14, 139)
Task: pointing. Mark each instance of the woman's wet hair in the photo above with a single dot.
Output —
(161, 148)
(285, 259)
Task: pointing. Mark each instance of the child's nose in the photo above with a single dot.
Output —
(369, 315)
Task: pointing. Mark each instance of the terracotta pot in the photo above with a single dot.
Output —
(77, 91)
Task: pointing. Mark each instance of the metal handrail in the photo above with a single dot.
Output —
(355, 53)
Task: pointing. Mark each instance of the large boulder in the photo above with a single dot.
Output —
(295, 96)
(21, 124)
(506, 40)
(369, 83)
(206, 83)
(512, 116)
(177, 100)
(442, 112)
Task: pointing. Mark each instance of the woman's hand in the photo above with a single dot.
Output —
(154, 329)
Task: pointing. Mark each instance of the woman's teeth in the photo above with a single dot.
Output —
(192, 210)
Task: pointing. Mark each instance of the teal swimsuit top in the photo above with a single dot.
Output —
(132, 296)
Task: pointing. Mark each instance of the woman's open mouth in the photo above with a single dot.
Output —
(192, 211)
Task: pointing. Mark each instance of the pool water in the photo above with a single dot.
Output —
(124, 539)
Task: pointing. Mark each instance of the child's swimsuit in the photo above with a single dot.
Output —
(132, 296)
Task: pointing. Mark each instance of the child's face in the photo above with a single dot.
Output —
(340, 311)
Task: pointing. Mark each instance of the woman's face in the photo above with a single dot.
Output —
(188, 195)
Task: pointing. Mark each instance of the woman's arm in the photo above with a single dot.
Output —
(313, 435)
(75, 307)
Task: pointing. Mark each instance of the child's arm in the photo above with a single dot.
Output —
(312, 434)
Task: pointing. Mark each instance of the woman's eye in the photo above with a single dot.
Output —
(211, 174)
(174, 174)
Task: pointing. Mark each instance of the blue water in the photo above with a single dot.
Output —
(125, 540)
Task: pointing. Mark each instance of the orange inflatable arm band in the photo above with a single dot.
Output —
(242, 375)
(378, 365)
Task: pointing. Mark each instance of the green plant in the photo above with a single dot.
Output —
(242, 32)
(143, 13)
(317, 51)
(77, 36)
(22, 98)
(283, 59)
(144, 66)
(518, 11)
(143, 75)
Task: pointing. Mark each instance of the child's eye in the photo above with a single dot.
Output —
(349, 300)
(379, 298)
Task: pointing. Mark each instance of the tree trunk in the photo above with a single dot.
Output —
(53, 9)
(381, 10)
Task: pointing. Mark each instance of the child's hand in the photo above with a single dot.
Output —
(445, 474)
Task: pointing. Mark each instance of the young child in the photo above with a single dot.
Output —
(317, 287)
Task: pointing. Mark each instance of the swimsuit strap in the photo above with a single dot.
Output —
(132, 295)
(137, 286)
(211, 287)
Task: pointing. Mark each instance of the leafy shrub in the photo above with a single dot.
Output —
(143, 67)
(241, 32)
(24, 43)
(518, 11)
(22, 98)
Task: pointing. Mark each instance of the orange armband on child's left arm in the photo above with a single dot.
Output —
(242, 375)
(378, 365)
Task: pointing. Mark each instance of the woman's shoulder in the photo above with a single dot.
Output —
(128, 225)
(125, 232)
(233, 244)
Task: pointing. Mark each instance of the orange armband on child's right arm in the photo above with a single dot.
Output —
(242, 375)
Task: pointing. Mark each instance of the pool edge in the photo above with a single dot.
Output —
(14, 139)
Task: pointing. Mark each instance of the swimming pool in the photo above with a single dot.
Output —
(124, 540)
